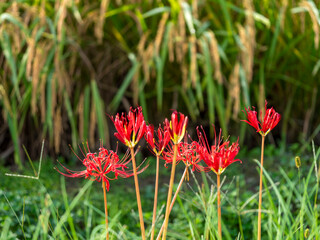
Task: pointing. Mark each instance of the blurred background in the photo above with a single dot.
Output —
(66, 65)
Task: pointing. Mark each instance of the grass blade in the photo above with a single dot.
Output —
(126, 82)
(74, 202)
(102, 125)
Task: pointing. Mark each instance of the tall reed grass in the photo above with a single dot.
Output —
(64, 64)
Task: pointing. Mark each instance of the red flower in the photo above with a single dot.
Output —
(176, 128)
(186, 153)
(99, 166)
(270, 120)
(163, 139)
(130, 128)
(220, 155)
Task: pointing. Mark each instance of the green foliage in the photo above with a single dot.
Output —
(53, 206)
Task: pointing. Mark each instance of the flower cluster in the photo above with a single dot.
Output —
(268, 121)
(175, 127)
(186, 153)
(220, 155)
(99, 166)
(157, 147)
(130, 128)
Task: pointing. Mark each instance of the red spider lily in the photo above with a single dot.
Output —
(186, 153)
(220, 155)
(131, 127)
(99, 166)
(163, 139)
(175, 127)
(270, 119)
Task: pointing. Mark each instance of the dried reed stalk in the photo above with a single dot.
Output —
(180, 37)
(284, 7)
(42, 13)
(58, 72)
(193, 60)
(93, 121)
(31, 51)
(314, 14)
(81, 118)
(61, 7)
(184, 74)
(63, 79)
(37, 66)
(246, 60)
(195, 9)
(5, 98)
(214, 49)
(61, 10)
(43, 97)
(249, 40)
(234, 89)
(14, 31)
(143, 57)
(57, 125)
(160, 32)
(98, 30)
(171, 44)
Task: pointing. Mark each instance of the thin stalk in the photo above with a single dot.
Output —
(105, 208)
(240, 226)
(315, 209)
(173, 170)
(219, 207)
(301, 210)
(174, 199)
(316, 195)
(155, 199)
(260, 189)
(136, 183)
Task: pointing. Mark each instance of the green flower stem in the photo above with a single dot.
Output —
(155, 199)
(136, 183)
(219, 207)
(173, 170)
(174, 198)
(260, 189)
(105, 208)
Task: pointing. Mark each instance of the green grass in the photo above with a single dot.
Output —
(64, 66)
(53, 206)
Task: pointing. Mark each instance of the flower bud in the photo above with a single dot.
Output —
(306, 233)
(297, 161)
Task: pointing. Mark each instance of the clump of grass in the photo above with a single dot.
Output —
(205, 55)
